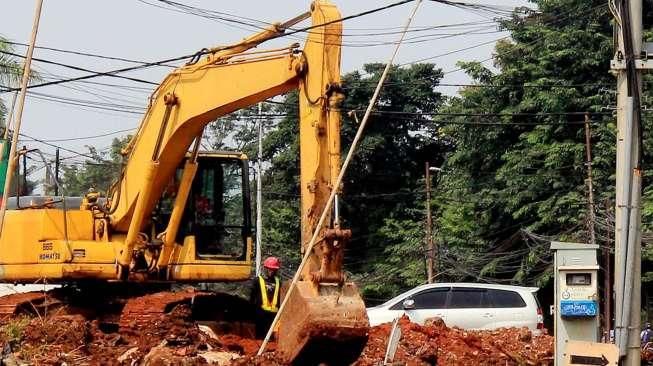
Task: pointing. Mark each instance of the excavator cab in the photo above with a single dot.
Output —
(217, 212)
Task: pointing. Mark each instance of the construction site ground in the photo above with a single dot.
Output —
(69, 336)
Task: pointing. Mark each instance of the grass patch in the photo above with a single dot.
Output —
(12, 331)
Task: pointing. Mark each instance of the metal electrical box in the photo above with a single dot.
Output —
(576, 305)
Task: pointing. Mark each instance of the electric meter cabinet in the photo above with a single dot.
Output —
(576, 307)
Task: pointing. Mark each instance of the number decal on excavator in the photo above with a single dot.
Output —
(49, 256)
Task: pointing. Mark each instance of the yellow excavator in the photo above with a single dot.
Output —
(178, 215)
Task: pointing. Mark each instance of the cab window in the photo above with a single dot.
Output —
(217, 212)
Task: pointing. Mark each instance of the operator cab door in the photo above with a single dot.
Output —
(217, 213)
(218, 208)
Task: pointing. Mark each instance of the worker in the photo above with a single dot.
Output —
(265, 295)
(647, 334)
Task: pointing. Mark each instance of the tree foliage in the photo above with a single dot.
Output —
(97, 172)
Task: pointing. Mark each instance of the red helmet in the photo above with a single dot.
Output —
(272, 263)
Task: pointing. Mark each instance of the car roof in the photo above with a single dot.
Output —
(476, 285)
(460, 284)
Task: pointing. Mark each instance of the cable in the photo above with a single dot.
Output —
(79, 68)
(63, 148)
(203, 52)
(107, 73)
(81, 53)
(86, 137)
(558, 19)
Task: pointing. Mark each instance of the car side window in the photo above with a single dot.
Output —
(468, 298)
(427, 299)
(506, 299)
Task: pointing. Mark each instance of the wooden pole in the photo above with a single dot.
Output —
(591, 216)
(19, 114)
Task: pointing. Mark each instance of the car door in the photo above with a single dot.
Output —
(426, 304)
(510, 309)
(469, 308)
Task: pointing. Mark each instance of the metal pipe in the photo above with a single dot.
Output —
(336, 211)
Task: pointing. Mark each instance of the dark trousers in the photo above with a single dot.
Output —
(263, 322)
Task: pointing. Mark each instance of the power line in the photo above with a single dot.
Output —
(204, 52)
(556, 20)
(61, 147)
(46, 97)
(77, 68)
(107, 73)
(82, 53)
(86, 137)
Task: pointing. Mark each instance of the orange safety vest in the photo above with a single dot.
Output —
(267, 305)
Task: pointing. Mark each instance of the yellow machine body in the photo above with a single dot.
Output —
(36, 245)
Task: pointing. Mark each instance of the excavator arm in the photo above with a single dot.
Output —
(325, 310)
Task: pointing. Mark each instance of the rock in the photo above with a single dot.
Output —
(434, 322)
(127, 355)
(219, 358)
(208, 331)
(9, 360)
(524, 335)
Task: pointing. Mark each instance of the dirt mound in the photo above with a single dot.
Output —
(173, 337)
(436, 344)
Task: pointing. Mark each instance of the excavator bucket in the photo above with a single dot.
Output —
(323, 324)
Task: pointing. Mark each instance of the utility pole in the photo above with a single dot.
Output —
(627, 64)
(591, 217)
(607, 283)
(432, 249)
(19, 113)
(24, 169)
(56, 172)
(259, 193)
(590, 187)
(430, 253)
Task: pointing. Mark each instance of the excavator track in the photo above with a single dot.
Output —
(32, 303)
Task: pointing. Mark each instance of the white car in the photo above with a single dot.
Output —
(465, 305)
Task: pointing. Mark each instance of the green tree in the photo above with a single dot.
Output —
(383, 187)
(11, 72)
(97, 172)
(520, 168)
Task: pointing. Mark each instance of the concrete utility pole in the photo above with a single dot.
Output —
(627, 65)
(19, 114)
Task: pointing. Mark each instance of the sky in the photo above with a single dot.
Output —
(148, 30)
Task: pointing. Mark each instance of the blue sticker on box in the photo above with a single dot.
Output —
(578, 308)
